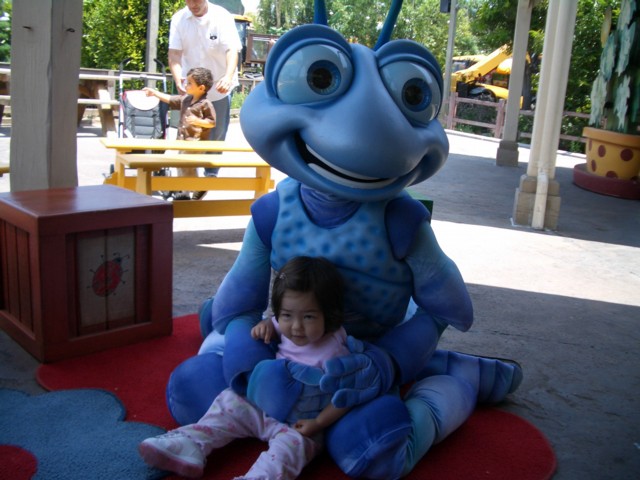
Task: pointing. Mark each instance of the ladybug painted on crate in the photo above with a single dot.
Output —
(108, 276)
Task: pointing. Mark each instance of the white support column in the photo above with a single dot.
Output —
(537, 200)
(453, 18)
(508, 150)
(151, 53)
(45, 62)
(542, 101)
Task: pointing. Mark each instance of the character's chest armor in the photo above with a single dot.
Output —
(378, 285)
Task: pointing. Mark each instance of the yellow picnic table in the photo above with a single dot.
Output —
(182, 153)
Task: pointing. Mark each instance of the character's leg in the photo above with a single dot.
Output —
(492, 378)
(385, 438)
(437, 405)
(370, 441)
(193, 385)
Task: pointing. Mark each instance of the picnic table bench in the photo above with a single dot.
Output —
(182, 153)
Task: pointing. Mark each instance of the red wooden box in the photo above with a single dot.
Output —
(84, 269)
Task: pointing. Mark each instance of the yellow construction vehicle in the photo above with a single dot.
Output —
(483, 77)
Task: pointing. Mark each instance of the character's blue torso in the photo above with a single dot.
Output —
(378, 285)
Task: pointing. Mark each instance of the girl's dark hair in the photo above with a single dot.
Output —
(202, 76)
(317, 275)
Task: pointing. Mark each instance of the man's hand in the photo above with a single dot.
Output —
(357, 378)
(223, 85)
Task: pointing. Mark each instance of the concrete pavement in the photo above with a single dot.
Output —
(564, 304)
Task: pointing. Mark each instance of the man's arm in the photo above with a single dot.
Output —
(224, 84)
(175, 65)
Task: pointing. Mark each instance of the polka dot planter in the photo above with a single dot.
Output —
(612, 154)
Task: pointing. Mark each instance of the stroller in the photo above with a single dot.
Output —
(141, 116)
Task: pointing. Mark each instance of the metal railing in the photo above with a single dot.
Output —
(109, 77)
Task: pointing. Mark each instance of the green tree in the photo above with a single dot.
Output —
(424, 23)
(114, 30)
(360, 21)
(275, 17)
(5, 30)
(494, 23)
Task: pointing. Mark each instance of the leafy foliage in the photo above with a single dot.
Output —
(114, 30)
(275, 17)
(616, 89)
(5, 31)
(360, 21)
(586, 53)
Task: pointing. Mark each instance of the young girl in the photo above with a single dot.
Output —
(307, 301)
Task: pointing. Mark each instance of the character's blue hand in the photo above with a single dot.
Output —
(359, 377)
(287, 390)
(273, 389)
(311, 399)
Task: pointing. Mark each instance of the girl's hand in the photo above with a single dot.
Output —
(307, 427)
(263, 331)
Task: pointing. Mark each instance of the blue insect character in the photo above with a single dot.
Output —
(351, 127)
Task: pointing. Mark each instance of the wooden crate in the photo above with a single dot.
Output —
(84, 269)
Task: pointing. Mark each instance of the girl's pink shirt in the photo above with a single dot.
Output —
(329, 346)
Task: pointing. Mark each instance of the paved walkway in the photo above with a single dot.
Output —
(565, 304)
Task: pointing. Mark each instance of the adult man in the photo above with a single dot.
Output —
(204, 35)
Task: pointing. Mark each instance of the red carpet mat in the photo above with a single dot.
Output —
(492, 444)
(16, 463)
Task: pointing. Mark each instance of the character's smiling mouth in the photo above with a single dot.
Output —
(335, 173)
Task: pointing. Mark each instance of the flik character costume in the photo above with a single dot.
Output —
(351, 127)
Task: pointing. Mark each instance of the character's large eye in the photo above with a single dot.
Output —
(414, 89)
(314, 73)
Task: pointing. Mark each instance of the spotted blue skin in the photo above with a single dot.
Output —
(352, 128)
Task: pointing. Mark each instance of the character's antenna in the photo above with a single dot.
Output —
(320, 13)
(389, 23)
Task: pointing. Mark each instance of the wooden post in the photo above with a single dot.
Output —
(497, 132)
(451, 113)
(45, 61)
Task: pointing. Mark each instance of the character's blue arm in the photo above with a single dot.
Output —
(239, 304)
(246, 286)
(438, 286)
(441, 298)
